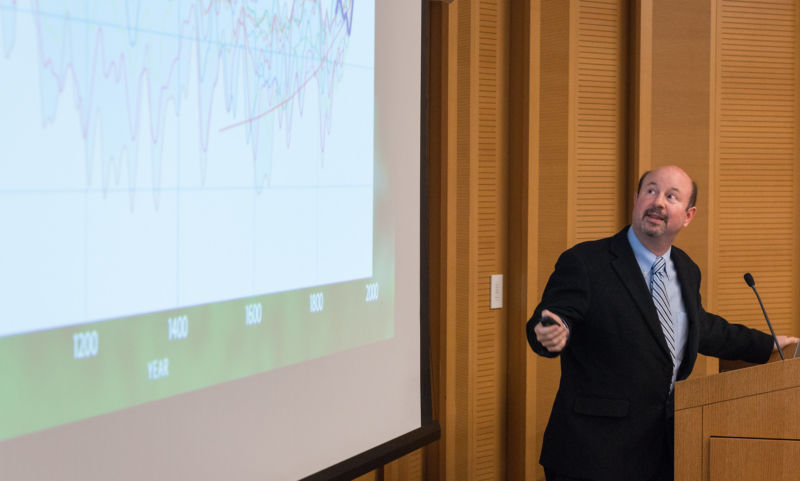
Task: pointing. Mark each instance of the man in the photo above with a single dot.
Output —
(625, 333)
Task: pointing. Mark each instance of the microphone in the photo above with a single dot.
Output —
(752, 283)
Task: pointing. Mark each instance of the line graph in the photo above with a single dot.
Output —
(230, 39)
(188, 151)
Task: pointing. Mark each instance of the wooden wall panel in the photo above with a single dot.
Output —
(679, 123)
(756, 196)
(583, 159)
(722, 102)
(480, 240)
(600, 128)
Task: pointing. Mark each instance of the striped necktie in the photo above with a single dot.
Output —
(658, 289)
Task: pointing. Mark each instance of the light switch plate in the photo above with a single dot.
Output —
(497, 292)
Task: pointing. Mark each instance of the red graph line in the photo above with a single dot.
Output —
(293, 94)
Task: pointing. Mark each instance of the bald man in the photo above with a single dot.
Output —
(625, 316)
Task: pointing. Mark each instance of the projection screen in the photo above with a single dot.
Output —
(210, 260)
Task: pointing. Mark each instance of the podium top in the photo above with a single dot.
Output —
(773, 376)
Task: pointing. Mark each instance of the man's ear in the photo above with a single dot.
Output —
(690, 212)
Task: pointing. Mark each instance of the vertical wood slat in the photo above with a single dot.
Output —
(463, 250)
(489, 185)
(600, 135)
(551, 184)
(756, 98)
(481, 239)
(641, 90)
(521, 452)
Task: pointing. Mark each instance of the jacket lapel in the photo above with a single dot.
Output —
(625, 265)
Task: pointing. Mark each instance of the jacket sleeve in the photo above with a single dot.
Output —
(725, 340)
(722, 339)
(567, 294)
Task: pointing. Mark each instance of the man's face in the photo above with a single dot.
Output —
(660, 207)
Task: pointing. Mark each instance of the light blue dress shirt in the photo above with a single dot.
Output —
(680, 321)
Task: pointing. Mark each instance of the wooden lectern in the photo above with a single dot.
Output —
(739, 425)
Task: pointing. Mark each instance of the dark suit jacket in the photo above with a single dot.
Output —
(612, 416)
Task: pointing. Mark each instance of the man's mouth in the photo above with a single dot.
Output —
(655, 215)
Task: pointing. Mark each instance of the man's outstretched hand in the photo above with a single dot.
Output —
(554, 337)
(783, 341)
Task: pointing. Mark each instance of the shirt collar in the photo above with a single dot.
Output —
(644, 257)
